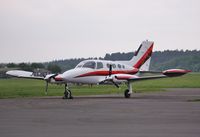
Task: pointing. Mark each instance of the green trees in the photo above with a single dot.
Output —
(176, 59)
(37, 65)
(161, 60)
(54, 68)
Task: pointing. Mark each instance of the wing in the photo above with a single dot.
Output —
(50, 78)
(23, 74)
(164, 74)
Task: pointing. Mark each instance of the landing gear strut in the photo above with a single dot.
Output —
(67, 93)
(128, 92)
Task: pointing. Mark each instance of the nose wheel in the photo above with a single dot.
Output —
(67, 93)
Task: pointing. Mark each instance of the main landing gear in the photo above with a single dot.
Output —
(67, 93)
(128, 92)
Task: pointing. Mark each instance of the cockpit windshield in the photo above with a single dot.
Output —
(90, 64)
(87, 64)
(80, 65)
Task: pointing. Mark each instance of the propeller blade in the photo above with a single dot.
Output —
(46, 89)
(111, 78)
(110, 70)
(114, 83)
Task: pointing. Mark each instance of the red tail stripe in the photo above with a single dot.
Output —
(144, 57)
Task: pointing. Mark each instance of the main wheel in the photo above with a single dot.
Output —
(70, 94)
(66, 95)
(127, 94)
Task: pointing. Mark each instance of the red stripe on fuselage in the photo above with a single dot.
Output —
(144, 58)
(106, 73)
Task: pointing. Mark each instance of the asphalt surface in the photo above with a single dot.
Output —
(162, 114)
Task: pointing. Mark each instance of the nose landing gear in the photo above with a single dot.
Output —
(67, 93)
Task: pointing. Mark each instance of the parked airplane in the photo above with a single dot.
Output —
(103, 71)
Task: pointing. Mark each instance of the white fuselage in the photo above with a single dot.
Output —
(95, 71)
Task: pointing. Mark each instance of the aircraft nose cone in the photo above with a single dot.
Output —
(71, 75)
(68, 75)
(58, 77)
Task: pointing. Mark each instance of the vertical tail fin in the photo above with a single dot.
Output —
(146, 65)
(142, 54)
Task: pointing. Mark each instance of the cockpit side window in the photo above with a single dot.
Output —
(90, 64)
(99, 65)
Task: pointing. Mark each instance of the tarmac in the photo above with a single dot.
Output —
(175, 113)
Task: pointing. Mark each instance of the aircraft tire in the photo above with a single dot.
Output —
(127, 94)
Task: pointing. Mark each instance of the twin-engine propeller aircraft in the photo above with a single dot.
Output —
(103, 72)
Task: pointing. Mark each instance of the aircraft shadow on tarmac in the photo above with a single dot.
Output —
(120, 97)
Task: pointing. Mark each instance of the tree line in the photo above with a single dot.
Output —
(53, 68)
(161, 60)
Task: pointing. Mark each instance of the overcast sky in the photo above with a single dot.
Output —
(45, 30)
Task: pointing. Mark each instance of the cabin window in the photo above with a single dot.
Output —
(119, 66)
(123, 66)
(113, 65)
(99, 65)
(90, 64)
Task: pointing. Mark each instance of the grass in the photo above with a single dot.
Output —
(14, 88)
(194, 100)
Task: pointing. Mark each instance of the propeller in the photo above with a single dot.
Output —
(109, 74)
(114, 83)
(110, 70)
(46, 89)
(47, 78)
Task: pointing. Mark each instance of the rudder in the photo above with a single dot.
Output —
(142, 54)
